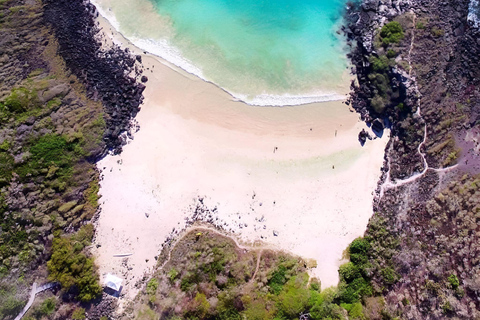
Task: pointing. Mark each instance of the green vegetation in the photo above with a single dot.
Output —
(20, 100)
(420, 25)
(208, 277)
(391, 32)
(380, 64)
(437, 32)
(453, 280)
(10, 305)
(78, 314)
(72, 268)
(47, 307)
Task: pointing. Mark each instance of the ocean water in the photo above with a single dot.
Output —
(264, 52)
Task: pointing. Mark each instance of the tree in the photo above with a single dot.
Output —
(73, 269)
(391, 32)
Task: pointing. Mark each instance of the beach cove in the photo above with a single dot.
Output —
(291, 178)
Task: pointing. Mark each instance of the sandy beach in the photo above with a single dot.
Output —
(296, 172)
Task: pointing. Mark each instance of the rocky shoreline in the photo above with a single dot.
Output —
(110, 76)
(424, 265)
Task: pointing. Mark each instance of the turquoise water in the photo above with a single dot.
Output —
(255, 49)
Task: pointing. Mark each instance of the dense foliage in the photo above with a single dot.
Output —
(392, 32)
(71, 267)
(208, 277)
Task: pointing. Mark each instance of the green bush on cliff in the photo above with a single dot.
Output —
(73, 269)
(354, 280)
(380, 64)
(391, 32)
(21, 100)
(57, 153)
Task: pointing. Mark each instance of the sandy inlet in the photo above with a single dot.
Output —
(296, 172)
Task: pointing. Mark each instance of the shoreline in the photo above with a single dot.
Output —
(169, 55)
(254, 168)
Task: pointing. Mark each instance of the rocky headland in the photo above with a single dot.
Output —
(65, 102)
(423, 260)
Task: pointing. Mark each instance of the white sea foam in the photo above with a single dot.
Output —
(107, 15)
(164, 50)
(167, 52)
(474, 13)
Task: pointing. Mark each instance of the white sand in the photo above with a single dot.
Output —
(315, 190)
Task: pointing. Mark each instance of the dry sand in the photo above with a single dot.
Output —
(299, 171)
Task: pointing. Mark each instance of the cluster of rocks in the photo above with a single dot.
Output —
(363, 21)
(106, 73)
(104, 307)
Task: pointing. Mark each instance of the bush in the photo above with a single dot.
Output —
(358, 251)
(323, 306)
(391, 53)
(226, 306)
(453, 280)
(389, 275)
(9, 305)
(6, 168)
(378, 104)
(21, 100)
(78, 314)
(152, 286)
(51, 150)
(420, 25)
(47, 307)
(73, 269)
(172, 275)
(437, 32)
(391, 32)
(277, 279)
(294, 299)
(355, 311)
(380, 64)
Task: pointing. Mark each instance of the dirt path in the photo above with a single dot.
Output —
(388, 183)
(258, 265)
(209, 229)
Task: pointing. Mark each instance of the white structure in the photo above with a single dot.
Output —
(113, 282)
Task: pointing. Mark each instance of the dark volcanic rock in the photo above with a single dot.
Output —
(105, 73)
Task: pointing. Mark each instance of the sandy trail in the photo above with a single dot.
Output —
(297, 172)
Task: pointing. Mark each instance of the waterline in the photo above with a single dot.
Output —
(287, 80)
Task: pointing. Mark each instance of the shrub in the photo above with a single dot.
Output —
(358, 251)
(277, 279)
(152, 286)
(380, 64)
(47, 307)
(226, 306)
(378, 104)
(73, 269)
(9, 305)
(437, 32)
(391, 32)
(389, 275)
(381, 83)
(78, 314)
(420, 25)
(293, 299)
(453, 280)
(50, 150)
(256, 311)
(6, 168)
(20, 100)
(391, 53)
(172, 275)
